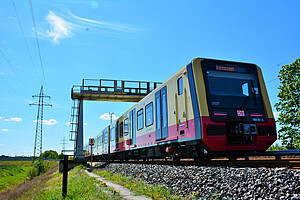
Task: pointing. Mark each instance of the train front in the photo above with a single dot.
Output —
(234, 109)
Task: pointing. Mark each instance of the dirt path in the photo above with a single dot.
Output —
(124, 192)
(21, 188)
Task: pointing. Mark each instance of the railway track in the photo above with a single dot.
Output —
(288, 163)
(272, 159)
(218, 182)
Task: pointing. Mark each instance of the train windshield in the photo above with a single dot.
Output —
(233, 90)
(232, 84)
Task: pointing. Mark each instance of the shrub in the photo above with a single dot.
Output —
(49, 154)
(276, 147)
(32, 172)
(40, 166)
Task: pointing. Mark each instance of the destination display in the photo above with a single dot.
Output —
(230, 68)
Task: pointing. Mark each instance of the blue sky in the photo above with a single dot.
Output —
(129, 40)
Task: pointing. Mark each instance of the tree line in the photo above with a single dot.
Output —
(288, 105)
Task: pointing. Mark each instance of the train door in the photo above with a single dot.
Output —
(97, 144)
(117, 135)
(161, 113)
(108, 139)
(121, 133)
(101, 141)
(105, 141)
(112, 137)
(132, 127)
(181, 105)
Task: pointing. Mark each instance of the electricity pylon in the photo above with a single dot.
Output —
(38, 149)
(64, 142)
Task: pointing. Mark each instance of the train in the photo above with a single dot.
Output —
(209, 108)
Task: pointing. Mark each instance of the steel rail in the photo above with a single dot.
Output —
(262, 162)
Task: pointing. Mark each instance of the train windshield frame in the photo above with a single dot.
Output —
(231, 85)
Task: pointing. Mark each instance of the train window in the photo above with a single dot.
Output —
(121, 129)
(149, 114)
(180, 86)
(245, 89)
(126, 128)
(98, 141)
(112, 133)
(105, 137)
(132, 119)
(140, 121)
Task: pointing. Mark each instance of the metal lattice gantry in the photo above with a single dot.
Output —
(102, 90)
(112, 90)
(38, 142)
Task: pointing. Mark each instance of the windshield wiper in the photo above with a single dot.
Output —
(252, 93)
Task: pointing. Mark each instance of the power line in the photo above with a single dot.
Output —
(273, 85)
(20, 24)
(11, 88)
(273, 96)
(278, 65)
(12, 69)
(37, 43)
(272, 80)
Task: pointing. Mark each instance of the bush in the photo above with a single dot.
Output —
(32, 173)
(49, 154)
(40, 166)
(275, 147)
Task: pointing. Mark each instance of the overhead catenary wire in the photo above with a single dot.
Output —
(279, 65)
(39, 51)
(26, 44)
(282, 62)
(272, 87)
(274, 79)
(11, 88)
(12, 69)
(275, 97)
(37, 43)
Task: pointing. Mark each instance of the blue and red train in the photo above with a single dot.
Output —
(209, 107)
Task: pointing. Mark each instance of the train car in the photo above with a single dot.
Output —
(101, 144)
(209, 107)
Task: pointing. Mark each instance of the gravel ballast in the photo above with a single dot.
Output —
(217, 182)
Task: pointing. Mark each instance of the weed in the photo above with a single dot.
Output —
(15, 172)
(139, 186)
(80, 186)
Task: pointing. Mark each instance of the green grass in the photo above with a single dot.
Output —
(140, 187)
(276, 147)
(80, 186)
(15, 172)
(50, 164)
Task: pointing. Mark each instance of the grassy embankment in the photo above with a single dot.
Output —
(15, 172)
(140, 187)
(80, 186)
